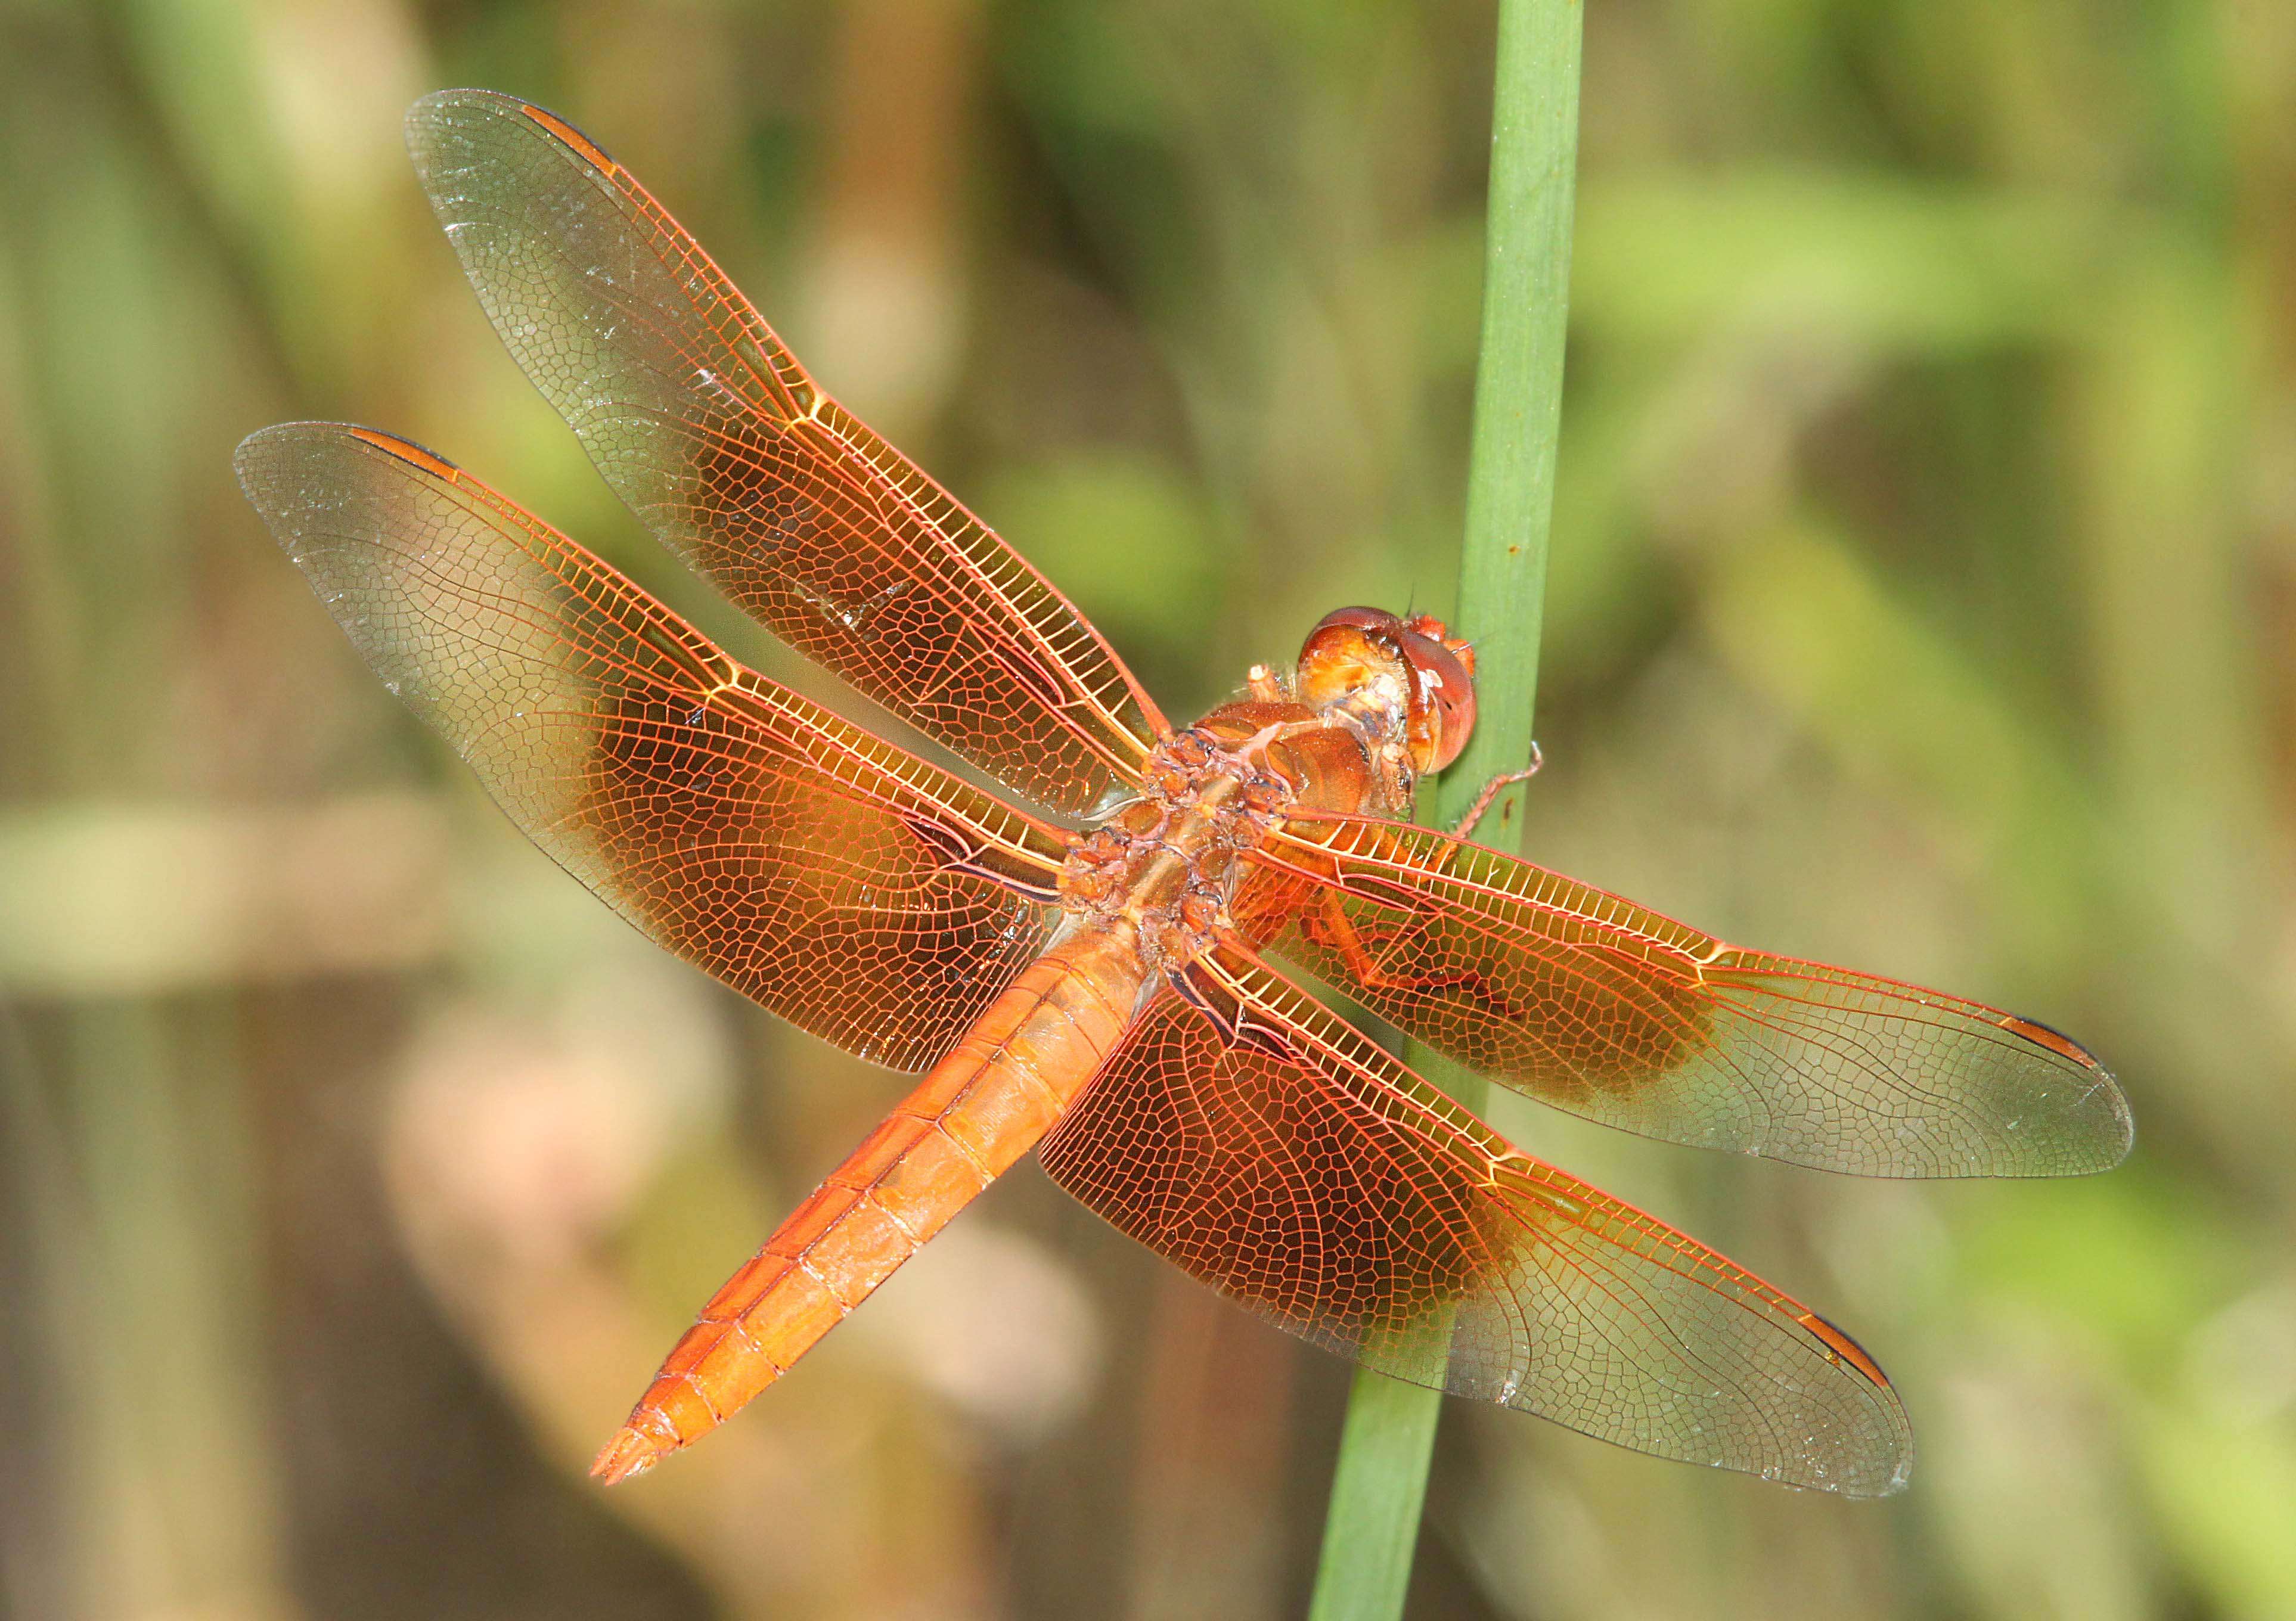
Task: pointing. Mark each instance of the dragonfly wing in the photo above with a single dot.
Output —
(857, 891)
(1598, 1005)
(1250, 1136)
(718, 440)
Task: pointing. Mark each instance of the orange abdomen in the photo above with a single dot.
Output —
(1012, 1076)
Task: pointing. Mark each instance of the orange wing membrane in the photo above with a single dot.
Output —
(859, 892)
(1599, 1006)
(1255, 1140)
(708, 426)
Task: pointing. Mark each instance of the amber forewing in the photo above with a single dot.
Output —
(708, 426)
(862, 894)
(1600, 1006)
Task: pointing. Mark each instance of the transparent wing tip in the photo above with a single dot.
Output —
(2109, 1127)
(445, 116)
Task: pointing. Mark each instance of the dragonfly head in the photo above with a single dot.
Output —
(1366, 663)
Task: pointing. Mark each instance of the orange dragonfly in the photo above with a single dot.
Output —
(1081, 963)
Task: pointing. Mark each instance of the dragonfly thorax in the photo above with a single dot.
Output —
(1165, 861)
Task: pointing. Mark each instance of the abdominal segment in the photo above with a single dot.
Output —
(975, 1112)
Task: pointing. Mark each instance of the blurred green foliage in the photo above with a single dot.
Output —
(1922, 598)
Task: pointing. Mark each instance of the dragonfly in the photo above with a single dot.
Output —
(1100, 958)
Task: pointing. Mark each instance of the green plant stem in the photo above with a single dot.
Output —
(1372, 1525)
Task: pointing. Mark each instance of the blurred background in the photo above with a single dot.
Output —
(1923, 581)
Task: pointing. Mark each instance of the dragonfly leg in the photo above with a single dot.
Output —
(1327, 923)
(1493, 789)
